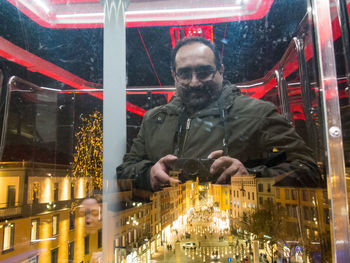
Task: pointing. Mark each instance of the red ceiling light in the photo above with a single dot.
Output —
(178, 33)
(59, 14)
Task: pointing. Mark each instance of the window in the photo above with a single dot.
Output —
(72, 191)
(36, 188)
(9, 231)
(87, 189)
(55, 225)
(99, 239)
(55, 192)
(86, 244)
(237, 194)
(307, 213)
(312, 195)
(288, 210)
(71, 220)
(260, 188)
(294, 194)
(11, 196)
(277, 192)
(261, 200)
(34, 231)
(234, 193)
(71, 251)
(294, 211)
(268, 188)
(287, 194)
(304, 195)
(248, 195)
(54, 255)
(253, 196)
(326, 215)
(325, 197)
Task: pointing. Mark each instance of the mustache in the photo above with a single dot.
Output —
(199, 89)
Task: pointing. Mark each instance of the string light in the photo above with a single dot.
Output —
(88, 151)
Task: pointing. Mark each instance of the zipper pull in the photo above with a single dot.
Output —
(188, 123)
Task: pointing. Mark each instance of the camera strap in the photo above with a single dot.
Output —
(179, 135)
(222, 111)
(180, 132)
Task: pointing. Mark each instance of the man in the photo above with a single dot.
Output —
(209, 118)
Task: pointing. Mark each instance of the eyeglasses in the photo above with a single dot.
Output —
(203, 74)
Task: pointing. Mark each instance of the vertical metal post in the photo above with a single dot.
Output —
(283, 94)
(332, 124)
(114, 114)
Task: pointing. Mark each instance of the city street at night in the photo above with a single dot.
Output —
(204, 238)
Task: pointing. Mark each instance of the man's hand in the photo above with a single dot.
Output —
(227, 166)
(159, 173)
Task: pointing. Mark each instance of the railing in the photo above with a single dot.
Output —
(10, 212)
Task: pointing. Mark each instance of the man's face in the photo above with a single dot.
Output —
(203, 81)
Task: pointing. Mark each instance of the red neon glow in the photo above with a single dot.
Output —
(149, 57)
(72, 1)
(264, 7)
(178, 33)
(135, 109)
(36, 64)
(142, 19)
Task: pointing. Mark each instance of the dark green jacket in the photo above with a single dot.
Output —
(255, 131)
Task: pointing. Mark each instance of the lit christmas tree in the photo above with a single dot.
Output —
(88, 152)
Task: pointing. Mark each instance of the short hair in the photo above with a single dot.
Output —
(190, 40)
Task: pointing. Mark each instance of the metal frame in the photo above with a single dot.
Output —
(337, 191)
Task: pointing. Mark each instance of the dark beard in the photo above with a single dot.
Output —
(196, 98)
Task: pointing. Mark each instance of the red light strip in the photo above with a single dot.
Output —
(72, 1)
(34, 63)
(142, 19)
(135, 109)
(149, 57)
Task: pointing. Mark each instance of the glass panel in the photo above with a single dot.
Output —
(222, 163)
(276, 156)
(51, 131)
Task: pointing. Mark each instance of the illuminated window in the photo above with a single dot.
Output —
(55, 226)
(260, 188)
(123, 241)
(36, 187)
(9, 231)
(34, 231)
(253, 196)
(294, 194)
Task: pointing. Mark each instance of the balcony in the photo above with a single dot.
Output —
(10, 212)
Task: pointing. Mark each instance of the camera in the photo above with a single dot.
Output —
(190, 169)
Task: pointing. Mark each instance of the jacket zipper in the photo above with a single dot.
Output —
(188, 124)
